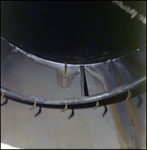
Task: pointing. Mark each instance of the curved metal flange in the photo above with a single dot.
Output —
(76, 100)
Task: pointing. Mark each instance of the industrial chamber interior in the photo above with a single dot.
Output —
(73, 74)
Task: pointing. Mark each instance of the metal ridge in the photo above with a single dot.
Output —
(76, 100)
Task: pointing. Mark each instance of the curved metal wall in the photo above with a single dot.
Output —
(101, 92)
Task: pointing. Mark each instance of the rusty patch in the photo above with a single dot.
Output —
(137, 130)
(117, 120)
(119, 81)
(135, 124)
(2, 95)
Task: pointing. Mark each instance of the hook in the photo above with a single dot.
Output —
(129, 95)
(97, 104)
(64, 109)
(2, 95)
(33, 106)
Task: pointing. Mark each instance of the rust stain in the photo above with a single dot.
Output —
(69, 80)
(117, 119)
(2, 95)
(135, 124)
(134, 119)
(119, 81)
(33, 106)
(66, 107)
(137, 129)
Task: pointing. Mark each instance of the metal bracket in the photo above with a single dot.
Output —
(129, 95)
(97, 104)
(66, 107)
(33, 106)
(2, 95)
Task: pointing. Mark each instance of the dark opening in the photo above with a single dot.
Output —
(73, 32)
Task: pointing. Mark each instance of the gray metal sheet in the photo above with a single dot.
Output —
(51, 129)
(77, 128)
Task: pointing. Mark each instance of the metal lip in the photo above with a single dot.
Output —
(42, 61)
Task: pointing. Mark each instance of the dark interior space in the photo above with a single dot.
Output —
(73, 32)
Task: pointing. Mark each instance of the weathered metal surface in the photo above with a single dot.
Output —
(97, 112)
(43, 76)
(78, 127)
(119, 125)
(51, 129)
(129, 125)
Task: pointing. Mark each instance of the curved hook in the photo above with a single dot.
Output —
(65, 108)
(33, 106)
(2, 95)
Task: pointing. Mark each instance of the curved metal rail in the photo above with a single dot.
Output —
(78, 100)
